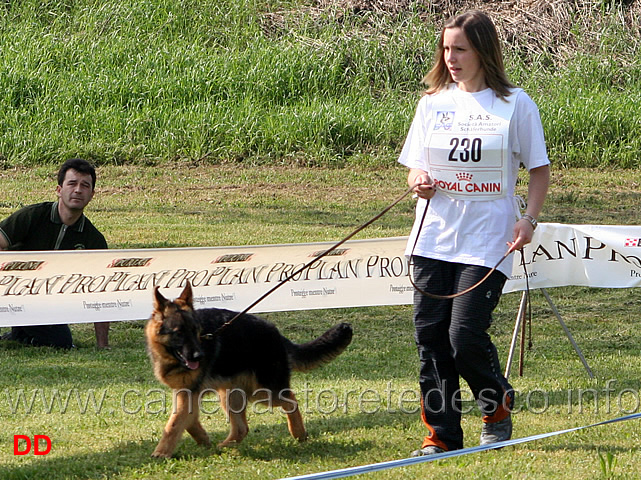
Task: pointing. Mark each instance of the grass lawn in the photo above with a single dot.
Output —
(104, 411)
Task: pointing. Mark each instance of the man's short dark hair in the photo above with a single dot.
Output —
(79, 165)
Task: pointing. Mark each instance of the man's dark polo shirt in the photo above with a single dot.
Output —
(39, 227)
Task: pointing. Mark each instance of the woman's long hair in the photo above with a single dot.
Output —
(484, 39)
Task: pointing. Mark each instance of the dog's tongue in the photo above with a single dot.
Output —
(192, 365)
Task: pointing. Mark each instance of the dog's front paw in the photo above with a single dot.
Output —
(160, 454)
(227, 443)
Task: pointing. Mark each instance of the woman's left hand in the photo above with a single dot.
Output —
(522, 234)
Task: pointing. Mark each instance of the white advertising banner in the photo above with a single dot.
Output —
(604, 256)
(115, 285)
(112, 285)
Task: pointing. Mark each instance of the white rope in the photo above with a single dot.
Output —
(375, 467)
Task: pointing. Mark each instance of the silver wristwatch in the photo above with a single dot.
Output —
(532, 220)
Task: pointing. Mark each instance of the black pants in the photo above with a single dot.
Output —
(452, 341)
(58, 336)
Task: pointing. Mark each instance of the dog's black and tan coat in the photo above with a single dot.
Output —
(248, 360)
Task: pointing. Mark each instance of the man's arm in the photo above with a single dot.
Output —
(4, 243)
(13, 226)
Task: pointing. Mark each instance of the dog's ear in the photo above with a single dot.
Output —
(160, 302)
(187, 296)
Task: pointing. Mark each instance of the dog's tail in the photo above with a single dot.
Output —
(324, 349)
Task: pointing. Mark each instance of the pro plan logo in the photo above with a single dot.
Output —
(633, 242)
(337, 252)
(444, 120)
(233, 257)
(22, 444)
(18, 265)
(130, 262)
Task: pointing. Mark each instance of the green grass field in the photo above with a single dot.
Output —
(243, 122)
(105, 412)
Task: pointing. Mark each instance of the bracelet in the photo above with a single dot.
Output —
(531, 219)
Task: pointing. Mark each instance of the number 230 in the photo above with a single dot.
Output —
(468, 149)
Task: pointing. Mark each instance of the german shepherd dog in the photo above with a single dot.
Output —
(247, 360)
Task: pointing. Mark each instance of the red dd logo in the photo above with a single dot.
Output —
(27, 444)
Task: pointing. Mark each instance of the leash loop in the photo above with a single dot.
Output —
(452, 295)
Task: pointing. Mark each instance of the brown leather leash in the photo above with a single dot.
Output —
(452, 295)
(469, 289)
(210, 336)
(528, 303)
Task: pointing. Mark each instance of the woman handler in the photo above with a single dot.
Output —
(470, 133)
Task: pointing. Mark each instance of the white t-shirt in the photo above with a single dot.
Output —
(471, 231)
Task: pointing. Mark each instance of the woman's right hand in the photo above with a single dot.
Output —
(423, 185)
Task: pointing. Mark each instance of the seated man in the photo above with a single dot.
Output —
(59, 225)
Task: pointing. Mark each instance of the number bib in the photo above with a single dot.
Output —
(467, 146)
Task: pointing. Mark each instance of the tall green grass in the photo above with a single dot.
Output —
(273, 82)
